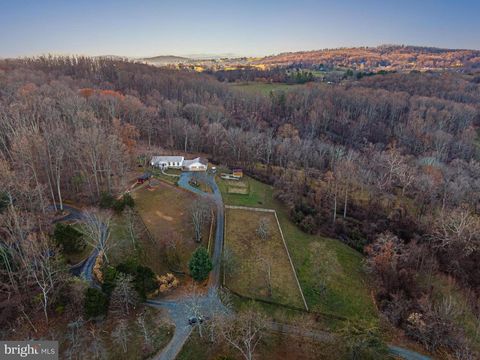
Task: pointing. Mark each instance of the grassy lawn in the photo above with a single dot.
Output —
(164, 210)
(259, 88)
(331, 273)
(253, 257)
(169, 179)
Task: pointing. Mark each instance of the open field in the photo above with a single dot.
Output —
(170, 176)
(331, 273)
(164, 210)
(260, 268)
(259, 88)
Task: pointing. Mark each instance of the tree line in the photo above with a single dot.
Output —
(386, 161)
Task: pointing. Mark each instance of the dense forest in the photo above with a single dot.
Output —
(388, 164)
(393, 57)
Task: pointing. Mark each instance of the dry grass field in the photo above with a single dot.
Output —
(258, 268)
(164, 210)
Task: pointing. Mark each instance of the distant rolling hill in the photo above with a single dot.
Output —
(390, 57)
(384, 57)
(167, 60)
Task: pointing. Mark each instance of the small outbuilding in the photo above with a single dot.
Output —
(144, 177)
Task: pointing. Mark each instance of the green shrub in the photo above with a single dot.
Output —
(200, 264)
(109, 276)
(143, 277)
(118, 206)
(96, 303)
(106, 200)
(128, 200)
(69, 238)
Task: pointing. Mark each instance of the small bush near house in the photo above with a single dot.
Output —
(128, 200)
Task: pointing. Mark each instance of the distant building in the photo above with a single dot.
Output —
(179, 162)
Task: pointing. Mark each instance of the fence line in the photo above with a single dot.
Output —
(283, 239)
(211, 230)
(291, 262)
(249, 208)
(292, 307)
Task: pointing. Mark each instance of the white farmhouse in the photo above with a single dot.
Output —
(179, 162)
(197, 164)
(167, 162)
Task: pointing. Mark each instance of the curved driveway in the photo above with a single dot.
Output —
(216, 197)
(83, 269)
(178, 310)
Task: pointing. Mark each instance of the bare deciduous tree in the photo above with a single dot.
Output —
(41, 260)
(124, 297)
(97, 347)
(96, 228)
(263, 229)
(120, 334)
(243, 331)
(200, 214)
(458, 229)
(142, 324)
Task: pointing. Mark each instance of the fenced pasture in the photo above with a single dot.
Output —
(256, 262)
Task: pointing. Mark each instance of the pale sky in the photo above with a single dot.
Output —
(182, 27)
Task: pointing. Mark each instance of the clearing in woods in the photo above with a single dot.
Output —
(331, 273)
(259, 88)
(256, 266)
(164, 210)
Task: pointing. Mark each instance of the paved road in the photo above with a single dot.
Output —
(180, 310)
(406, 354)
(85, 268)
(216, 197)
(176, 311)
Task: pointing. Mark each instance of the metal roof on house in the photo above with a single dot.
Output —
(158, 159)
(200, 160)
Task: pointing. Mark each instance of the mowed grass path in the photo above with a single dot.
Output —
(331, 273)
(253, 257)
